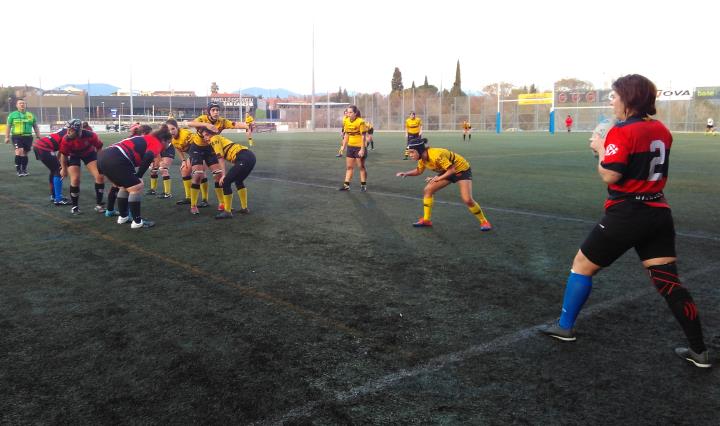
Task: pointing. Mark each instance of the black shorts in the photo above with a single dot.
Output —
(242, 166)
(168, 152)
(117, 167)
(354, 152)
(466, 175)
(411, 138)
(649, 230)
(371, 131)
(87, 158)
(24, 142)
(202, 154)
(49, 160)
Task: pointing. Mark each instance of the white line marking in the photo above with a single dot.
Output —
(442, 361)
(497, 209)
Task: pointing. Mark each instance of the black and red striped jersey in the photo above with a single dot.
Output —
(51, 142)
(136, 147)
(85, 143)
(638, 149)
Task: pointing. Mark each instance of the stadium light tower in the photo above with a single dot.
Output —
(312, 103)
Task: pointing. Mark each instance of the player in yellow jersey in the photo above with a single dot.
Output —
(450, 168)
(250, 123)
(466, 130)
(181, 141)
(243, 162)
(413, 129)
(354, 141)
(201, 154)
(369, 135)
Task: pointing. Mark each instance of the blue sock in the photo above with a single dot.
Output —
(577, 291)
(57, 187)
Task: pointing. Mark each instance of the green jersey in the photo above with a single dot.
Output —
(21, 123)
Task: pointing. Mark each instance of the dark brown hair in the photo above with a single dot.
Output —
(172, 121)
(637, 93)
(355, 109)
(163, 133)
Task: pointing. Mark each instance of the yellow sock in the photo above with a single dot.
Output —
(242, 194)
(477, 211)
(167, 185)
(227, 200)
(220, 195)
(250, 141)
(186, 184)
(427, 208)
(204, 190)
(194, 192)
(153, 183)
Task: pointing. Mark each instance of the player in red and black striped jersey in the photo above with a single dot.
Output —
(46, 150)
(633, 161)
(81, 145)
(125, 163)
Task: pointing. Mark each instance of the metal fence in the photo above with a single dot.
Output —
(388, 112)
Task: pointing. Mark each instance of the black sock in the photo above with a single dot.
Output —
(17, 163)
(135, 210)
(24, 163)
(74, 195)
(667, 283)
(99, 191)
(112, 196)
(122, 203)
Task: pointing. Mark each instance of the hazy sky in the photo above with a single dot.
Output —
(186, 45)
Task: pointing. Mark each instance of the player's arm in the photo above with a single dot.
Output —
(200, 125)
(608, 176)
(147, 159)
(63, 164)
(415, 172)
(450, 171)
(37, 129)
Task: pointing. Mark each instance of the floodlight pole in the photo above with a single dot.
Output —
(552, 111)
(131, 98)
(498, 121)
(312, 104)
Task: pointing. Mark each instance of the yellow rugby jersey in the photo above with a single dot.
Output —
(466, 125)
(184, 139)
(441, 159)
(221, 123)
(368, 126)
(354, 130)
(249, 120)
(226, 148)
(413, 125)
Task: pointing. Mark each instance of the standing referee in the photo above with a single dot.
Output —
(21, 124)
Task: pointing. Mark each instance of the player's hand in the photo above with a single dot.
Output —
(400, 174)
(212, 128)
(430, 179)
(222, 179)
(63, 172)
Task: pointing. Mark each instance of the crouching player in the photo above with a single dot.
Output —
(79, 145)
(45, 150)
(450, 168)
(181, 141)
(243, 162)
(118, 163)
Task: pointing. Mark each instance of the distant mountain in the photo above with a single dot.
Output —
(95, 89)
(267, 93)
